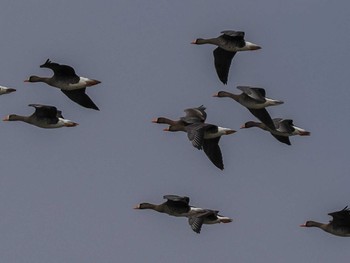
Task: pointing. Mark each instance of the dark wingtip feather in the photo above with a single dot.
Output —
(94, 107)
(88, 104)
(223, 78)
(219, 165)
(46, 62)
(282, 139)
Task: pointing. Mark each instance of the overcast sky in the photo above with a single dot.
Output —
(66, 195)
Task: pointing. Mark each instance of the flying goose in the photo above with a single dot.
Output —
(339, 226)
(71, 84)
(206, 217)
(43, 117)
(193, 115)
(228, 44)
(174, 206)
(206, 136)
(254, 100)
(283, 129)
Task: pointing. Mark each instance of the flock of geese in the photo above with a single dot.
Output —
(206, 137)
(202, 135)
(69, 83)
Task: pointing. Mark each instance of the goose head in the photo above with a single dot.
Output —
(249, 124)
(34, 79)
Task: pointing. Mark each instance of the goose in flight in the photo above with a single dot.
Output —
(339, 226)
(43, 117)
(68, 82)
(283, 129)
(255, 100)
(229, 43)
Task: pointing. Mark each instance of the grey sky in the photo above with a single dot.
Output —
(67, 194)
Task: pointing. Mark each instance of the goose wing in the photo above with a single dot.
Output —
(222, 61)
(341, 218)
(213, 152)
(282, 139)
(195, 133)
(263, 116)
(286, 126)
(62, 72)
(196, 221)
(79, 96)
(194, 115)
(45, 112)
(176, 198)
(257, 94)
(234, 36)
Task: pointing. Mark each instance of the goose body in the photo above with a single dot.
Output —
(193, 115)
(44, 117)
(283, 129)
(206, 217)
(254, 100)
(5, 90)
(202, 135)
(174, 206)
(339, 226)
(229, 43)
(68, 82)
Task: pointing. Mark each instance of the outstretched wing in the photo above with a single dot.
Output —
(222, 61)
(176, 198)
(282, 139)
(44, 111)
(212, 150)
(341, 218)
(60, 70)
(263, 116)
(196, 223)
(234, 36)
(194, 115)
(195, 133)
(286, 126)
(49, 113)
(257, 94)
(79, 96)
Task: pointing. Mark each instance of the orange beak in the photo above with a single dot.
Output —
(71, 124)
